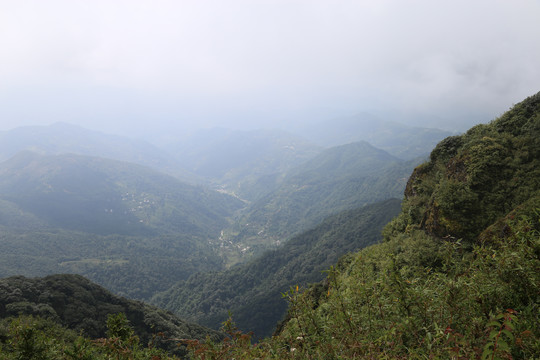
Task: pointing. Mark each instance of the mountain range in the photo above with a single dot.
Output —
(339, 178)
(456, 275)
(242, 221)
(236, 160)
(400, 140)
(64, 138)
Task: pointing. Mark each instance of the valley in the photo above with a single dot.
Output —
(269, 180)
(275, 229)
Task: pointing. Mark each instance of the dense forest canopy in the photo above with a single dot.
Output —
(77, 304)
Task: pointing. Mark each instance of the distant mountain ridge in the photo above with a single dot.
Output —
(108, 196)
(403, 141)
(342, 161)
(64, 138)
(237, 160)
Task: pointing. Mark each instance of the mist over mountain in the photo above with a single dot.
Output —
(238, 160)
(110, 197)
(63, 192)
(63, 138)
(403, 141)
(56, 206)
(250, 157)
(467, 230)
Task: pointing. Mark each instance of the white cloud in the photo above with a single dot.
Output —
(187, 59)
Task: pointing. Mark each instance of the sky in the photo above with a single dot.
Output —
(138, 67)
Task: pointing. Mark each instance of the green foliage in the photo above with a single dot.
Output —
(500, 336)
(252, 291)
(30, 338)
(118, 327)
(475, 305)
(474, 179)
(76, 303)
(237, 345)
(133, 266)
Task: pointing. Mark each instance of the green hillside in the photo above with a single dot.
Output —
(77, 304)
(253, 291)
(340, 178)
(127, 227)
(132, 266)
(474, 179)
(457, 276)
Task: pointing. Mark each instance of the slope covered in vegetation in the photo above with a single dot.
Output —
(252, 291)
(132, 229)
(341, 178)
(457, 275)
(105, 196)
(80, 305)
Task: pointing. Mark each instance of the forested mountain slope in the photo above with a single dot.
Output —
(474, 179)
(76, 303)
(253, 291)
(340, 178)
(457, 275)
(129, 228)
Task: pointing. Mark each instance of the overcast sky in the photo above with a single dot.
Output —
(130, 66)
